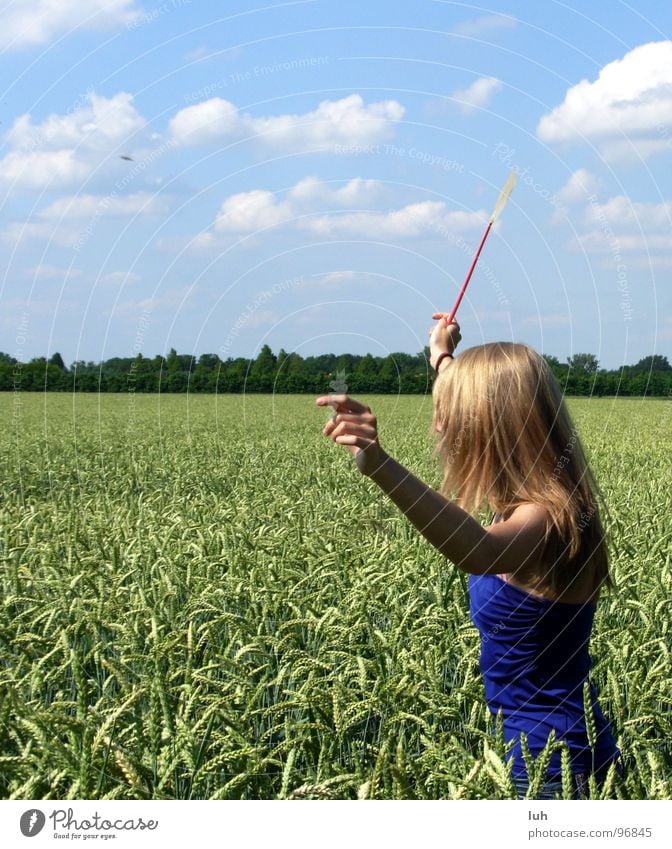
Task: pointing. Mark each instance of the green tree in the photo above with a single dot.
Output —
(655, 362)
(294, 376)
(389, 376)
(366, 376)
(57, 360)
(263, 371)
(584, 363)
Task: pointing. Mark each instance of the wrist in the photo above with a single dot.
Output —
(438, 361)
(383, 462)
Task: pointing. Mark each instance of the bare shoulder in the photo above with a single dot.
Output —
(527, 520)
(517, 539)
(529, 523)
(527, 512)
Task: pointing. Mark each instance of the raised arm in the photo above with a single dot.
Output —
(443, 339)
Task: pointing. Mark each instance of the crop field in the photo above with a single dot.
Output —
(202, 598)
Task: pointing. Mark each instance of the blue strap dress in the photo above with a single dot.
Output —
(535, 660)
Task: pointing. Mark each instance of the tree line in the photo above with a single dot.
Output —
(291, 373)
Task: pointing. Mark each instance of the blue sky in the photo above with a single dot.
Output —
(316, 176)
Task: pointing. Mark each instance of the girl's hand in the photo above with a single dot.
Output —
(443, 336)
(354, 426)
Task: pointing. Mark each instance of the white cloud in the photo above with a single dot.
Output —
(485, 24)
(27, 23)
(626, 216)
(70, 221)
(629, 103)
(261, 318)
(424, 219)
(98, 122)
(250, 211)
(346, 121)
(64, 234)
(198, 53)
(205, 53)
(38, 169)
(304, 207)
(66, 149)
(478, 94)
(622, 150)
(259, 209)
(597, 242)
(340, 278)
(50, 272)
(93, 206)
(579, 187)
(206, 122)
(170, 298)
(620, 225)
(120, 278)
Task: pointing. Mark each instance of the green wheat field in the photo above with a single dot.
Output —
(203, 599)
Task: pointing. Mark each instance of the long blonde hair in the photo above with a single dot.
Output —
(506, 438)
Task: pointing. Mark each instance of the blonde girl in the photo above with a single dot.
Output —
(507, 442)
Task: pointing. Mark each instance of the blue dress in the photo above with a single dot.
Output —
(535, 660)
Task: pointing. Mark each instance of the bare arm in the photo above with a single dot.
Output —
(507, 546)
(504, 547)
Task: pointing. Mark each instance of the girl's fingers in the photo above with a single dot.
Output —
(342, 404)
(353, 417)
(440, 315)
(352, 439)
(343, 428)
(341, 423)
(354, 444)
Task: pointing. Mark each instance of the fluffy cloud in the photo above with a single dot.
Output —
(347, 121)
(341, 278)
(579, 187)
(63, 234)
(92, 206)
(120, 278)
(305, 203)
(72, 221)
(427, 218)
(264, 318)
(485, 25)
(35, 169)
(248, 212)
(206, 122)
(64, 150)
(50, 272)
(173, 298)
(626, 110)
(28, 23)
(621, 225)
(626, 215)
(478, 94)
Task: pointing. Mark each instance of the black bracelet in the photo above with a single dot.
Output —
(440, 360)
